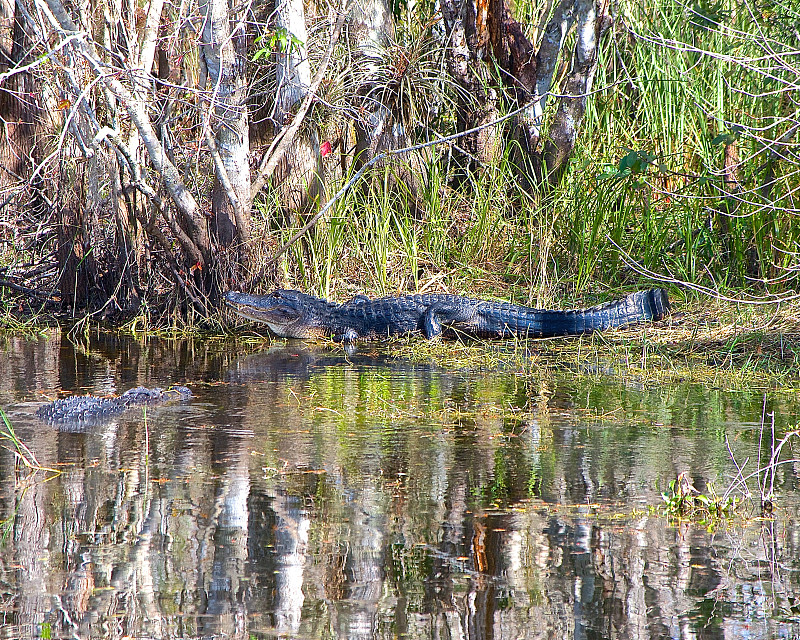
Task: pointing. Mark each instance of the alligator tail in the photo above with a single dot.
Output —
(642, 306)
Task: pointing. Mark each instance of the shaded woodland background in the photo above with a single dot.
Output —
(154, 154)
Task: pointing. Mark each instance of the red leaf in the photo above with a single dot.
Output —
(325, 148)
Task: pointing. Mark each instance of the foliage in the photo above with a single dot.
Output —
(279, 39)
(685, 171)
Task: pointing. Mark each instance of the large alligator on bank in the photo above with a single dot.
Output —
(292, 314)
(88, 409)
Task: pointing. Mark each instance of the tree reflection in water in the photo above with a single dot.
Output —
(308, 493)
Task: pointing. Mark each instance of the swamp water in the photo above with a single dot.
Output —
(310, 493)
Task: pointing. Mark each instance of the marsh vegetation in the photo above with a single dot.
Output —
(636, 483)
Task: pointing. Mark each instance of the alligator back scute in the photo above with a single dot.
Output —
(93, 409)
(79, 408)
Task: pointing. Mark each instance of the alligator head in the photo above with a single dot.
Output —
(288, 313)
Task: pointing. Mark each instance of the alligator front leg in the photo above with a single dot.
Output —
(431, 327)
(437, 313)
(349, 336)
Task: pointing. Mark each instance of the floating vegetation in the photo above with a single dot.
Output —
(684, 502)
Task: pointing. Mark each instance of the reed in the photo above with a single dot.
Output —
(23, 454)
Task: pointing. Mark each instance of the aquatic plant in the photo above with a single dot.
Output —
(684, 502)
(21, 451)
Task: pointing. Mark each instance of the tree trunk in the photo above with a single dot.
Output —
(371, 27)
(20, 107)
(223, 50)
(479, 101)
(299, 174)
(484, 34)
(383, 124)
(592, 20)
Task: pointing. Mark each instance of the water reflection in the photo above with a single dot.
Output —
(309, 493)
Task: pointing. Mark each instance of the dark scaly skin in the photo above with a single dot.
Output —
(94, 408)
(292, 314)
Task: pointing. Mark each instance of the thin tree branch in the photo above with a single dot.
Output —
(644, 271)
(181, 196)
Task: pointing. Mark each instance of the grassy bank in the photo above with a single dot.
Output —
(685, 172)
(716, 343)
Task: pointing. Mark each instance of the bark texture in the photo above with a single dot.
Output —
(298, 177)
(484, 36)
(23, 118)
(479, 101)
(592, 19)
(223, 50)
(371, 28)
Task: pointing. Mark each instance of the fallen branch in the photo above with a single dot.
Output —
(28, 291)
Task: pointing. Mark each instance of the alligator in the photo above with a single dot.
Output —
(87, 409)
(292, 314)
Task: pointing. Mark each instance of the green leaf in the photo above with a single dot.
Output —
(724, 138)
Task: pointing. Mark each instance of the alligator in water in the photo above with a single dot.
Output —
(87, 409)
(292, 314)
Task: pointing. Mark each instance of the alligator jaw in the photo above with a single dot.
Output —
(267, 309)
(282, 316)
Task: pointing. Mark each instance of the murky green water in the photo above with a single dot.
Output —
(306, 493)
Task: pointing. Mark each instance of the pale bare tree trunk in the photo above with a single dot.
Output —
(592, 19)
(195, 239)
(299, 175)
(223, 51)
(293, 68)
(381, 125)
(372, 27)
(128, 212)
